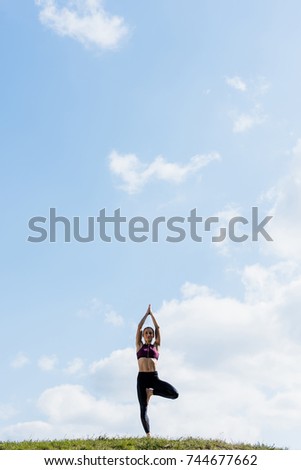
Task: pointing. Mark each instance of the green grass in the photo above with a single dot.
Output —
(157, 443)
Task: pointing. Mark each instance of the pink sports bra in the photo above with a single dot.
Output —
(149, 351)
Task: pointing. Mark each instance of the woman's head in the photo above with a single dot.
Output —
(148, 334)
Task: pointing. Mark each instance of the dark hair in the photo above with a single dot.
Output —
(148, 328)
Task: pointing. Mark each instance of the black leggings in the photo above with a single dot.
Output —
(163, 389)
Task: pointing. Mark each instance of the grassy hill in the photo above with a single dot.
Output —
(157, 443)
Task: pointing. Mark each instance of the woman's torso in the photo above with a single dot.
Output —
(149, 354)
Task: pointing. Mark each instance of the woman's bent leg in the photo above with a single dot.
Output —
(164, 389)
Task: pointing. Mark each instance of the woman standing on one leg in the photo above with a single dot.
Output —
(148, 382)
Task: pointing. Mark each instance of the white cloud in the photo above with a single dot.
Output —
(224, 217)
(96, 308)
(285, 199)
(237, 83)
(93, 308)
(113, 380)
(135, 174)
(262, 285)
(238, 360)
(245, 122)
(7, 411)
(190, 290)
(27, 430)
(83, 20)
(19, 361)
(113, 318)
(262, 86)
(72, 412)
(256, 87)
(296, 151)
(47, 363)
(74, 366)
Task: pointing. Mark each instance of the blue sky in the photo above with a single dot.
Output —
(155, 108)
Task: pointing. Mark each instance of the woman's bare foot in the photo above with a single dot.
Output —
(149, 394)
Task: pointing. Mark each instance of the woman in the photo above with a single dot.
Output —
(148, 382)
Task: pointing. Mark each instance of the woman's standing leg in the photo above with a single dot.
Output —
(141, 392)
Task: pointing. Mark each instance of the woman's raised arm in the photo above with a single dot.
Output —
(157, 328)
(140, 325)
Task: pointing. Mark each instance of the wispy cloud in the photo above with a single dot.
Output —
(224, 216)
(74, 366)
(96, 308)
(246, 121)
(262, 86)
(285, 198)
(135, 174)
(93, 308)
(19, 361)
(256, 88)
(47, 363)
(7, 411)
(83, 20)
(237, 83)
(113, 318)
